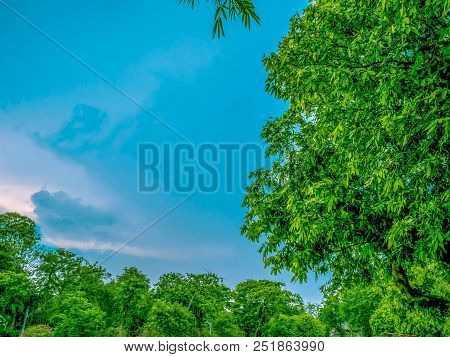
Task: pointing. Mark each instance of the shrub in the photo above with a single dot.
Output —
(302, 325)
(38, 331)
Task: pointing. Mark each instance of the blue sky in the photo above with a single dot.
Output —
(69, 140)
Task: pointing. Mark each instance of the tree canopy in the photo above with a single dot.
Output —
(202, 294)
(133, 298)
(169, 319)
(18, 241)
(256, 301)
(359, 182)
(302, 325)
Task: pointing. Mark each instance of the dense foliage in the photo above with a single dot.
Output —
(292, 326)
(256, 301)
(65, 295)
(359, 183)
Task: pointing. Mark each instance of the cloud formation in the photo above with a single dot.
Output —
(182, 254)
(58, 213)
(120, 248)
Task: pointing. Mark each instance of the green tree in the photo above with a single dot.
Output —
(73, 315)
(16, 292)
(395, 317)
(381, 309)
(205, 295)
(256, 301)
(303, 325)
(61, 272)
(18, 242)
(224, 325)
(331, 315)
(169, 320)
(225, 10)
(111, 303)
(358, 305)
(133, 299)
(359, 182)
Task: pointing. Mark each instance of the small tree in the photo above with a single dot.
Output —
(331, 315)
(205, 295)
(303, 325)
(224, 325)
(73, 315)
(169, 320)
(18, 242)
(358, 305)
(133, 299)
(38, 331)
(15, 294)
(256, 301)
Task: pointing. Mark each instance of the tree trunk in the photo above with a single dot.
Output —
(13, 321)
(402, 281)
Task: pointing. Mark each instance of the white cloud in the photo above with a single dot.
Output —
(168, 254)
(107, 247)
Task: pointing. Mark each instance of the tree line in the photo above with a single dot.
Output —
(57, 293)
